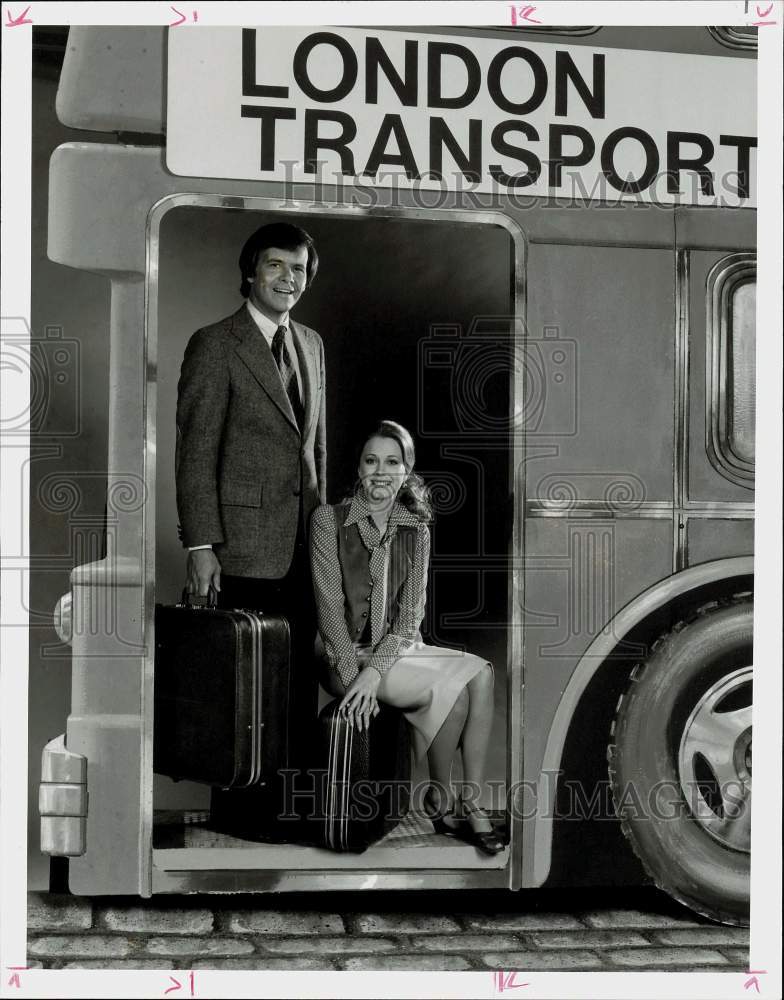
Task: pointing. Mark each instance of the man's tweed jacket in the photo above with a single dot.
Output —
(242, 465)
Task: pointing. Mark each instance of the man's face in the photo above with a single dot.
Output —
(280, 279)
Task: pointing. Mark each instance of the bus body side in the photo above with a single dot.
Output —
(624, 519)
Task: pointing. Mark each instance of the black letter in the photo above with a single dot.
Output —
(268, 118)
(249, 86)
(435, 50)
(348, 56)
(378, 154)
(440, 135)
(565, 69)
(676, 163)
(406, 89)
(646, 178)
(494, 80)
(744, 144)
(313, 141)
(500, 145)
(557, 158)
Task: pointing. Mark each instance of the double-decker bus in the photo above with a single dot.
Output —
(538, 251)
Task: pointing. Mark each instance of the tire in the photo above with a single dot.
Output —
(680, 761)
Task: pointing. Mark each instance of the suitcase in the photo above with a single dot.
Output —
(222, 697)
(366, 790)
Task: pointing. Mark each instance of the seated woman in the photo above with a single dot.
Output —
(369, 559)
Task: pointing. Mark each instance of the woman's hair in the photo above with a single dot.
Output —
(414, 494)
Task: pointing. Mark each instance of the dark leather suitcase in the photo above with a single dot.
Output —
(367, 787)
(222, 694)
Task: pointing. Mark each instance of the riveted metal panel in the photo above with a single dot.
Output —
(579, 573)
(714, 538)
(602, 318)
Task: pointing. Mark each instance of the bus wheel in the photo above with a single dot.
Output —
(680, 760)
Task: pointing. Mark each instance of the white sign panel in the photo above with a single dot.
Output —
(443, 112)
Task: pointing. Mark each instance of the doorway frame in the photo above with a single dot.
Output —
(251, 878)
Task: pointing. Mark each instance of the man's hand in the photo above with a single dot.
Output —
(359, 703)
(204, 571)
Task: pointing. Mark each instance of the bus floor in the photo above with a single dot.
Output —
(411, 844)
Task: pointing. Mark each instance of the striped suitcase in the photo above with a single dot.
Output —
(367, 787)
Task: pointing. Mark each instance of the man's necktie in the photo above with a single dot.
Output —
(288, 376)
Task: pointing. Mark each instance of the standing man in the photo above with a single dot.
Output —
(251, 452)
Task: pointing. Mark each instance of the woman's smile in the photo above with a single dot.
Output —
(382, 470)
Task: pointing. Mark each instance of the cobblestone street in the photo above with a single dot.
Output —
(534, 930)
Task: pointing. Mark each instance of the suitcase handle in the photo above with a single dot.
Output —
(197, 601)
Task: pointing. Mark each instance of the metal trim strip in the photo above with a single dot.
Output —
(250, 769)
(552, 29)
(598, 508)
(680, 486)
(348, 746)
(735, 511)
(149, 411)
(731, 38)
(247, 880)
(258, 676)
(237, 741)
(329, 831)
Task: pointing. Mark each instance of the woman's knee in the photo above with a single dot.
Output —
(460, 707)
(483, 679)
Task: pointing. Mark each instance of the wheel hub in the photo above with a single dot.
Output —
(714, 760)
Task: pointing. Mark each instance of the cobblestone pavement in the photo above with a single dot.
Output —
(533, 930)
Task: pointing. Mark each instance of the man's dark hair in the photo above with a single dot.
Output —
(282, 235)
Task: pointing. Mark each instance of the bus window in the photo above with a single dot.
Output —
(740, 345)
(731, 333)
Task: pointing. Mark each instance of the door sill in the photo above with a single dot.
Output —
(193, 846)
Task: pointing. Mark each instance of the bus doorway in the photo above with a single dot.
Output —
(415, 315)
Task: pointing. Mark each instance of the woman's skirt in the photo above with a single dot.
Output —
(424, 684)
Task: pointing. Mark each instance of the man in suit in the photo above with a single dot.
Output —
(251, 451)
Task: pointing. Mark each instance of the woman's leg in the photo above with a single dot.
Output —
(474, 742)
(441, 753)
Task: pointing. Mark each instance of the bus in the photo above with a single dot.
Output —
(538, 252)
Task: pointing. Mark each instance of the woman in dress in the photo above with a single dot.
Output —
(369, 557)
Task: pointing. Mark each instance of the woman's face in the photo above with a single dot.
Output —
(382, 470)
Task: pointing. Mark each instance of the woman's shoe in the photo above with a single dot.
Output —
(487, 841)
(438, 818)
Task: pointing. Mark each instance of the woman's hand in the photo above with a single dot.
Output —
(359, 703)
